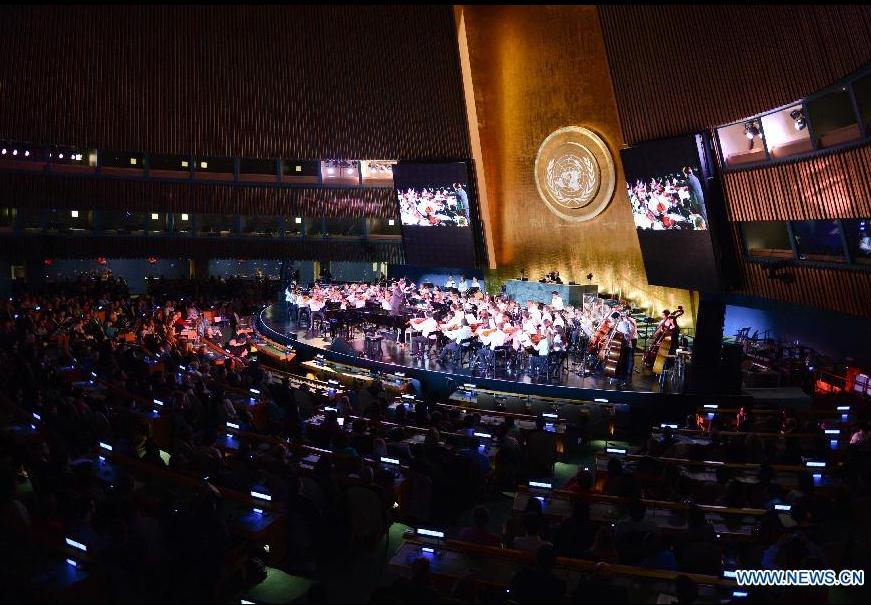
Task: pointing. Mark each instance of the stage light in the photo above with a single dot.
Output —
(185, 164)
(391, 222)
(26, 153)
(798, 117)
(349, 171)
(298, 220)
(331, 171)
(154, 216)
(60, 155)
(132, 161)
(298, 168)
(184, 216)
(204, 165)
(74, 213)
(14, 152)
(3, 151)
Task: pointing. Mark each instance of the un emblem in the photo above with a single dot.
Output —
(574, 173)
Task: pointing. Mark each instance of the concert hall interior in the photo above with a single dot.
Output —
(435, 303)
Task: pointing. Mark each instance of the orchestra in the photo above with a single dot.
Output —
(444, 319)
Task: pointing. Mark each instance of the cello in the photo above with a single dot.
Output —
(656, 353)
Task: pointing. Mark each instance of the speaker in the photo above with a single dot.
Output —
(340, 345)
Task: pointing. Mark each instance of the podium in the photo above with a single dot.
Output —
(521, 291)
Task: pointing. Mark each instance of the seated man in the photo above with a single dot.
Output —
(539, 360)
(453, 348)
(422, 331)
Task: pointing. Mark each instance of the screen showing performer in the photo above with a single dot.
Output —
(671, 201)
(435, 210)
(445, 206)
(668, 186)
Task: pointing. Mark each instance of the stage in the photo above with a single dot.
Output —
(397, 357)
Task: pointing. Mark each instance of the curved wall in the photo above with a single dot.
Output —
(298, 82)
(681, 68)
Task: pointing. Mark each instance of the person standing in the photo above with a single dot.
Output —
(695, 186)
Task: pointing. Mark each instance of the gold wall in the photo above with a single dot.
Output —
(535, 69)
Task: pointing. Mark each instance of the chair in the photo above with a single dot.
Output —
(540, 406)
(541, 449)
(372, 347)
(556, 361)
(366, 516)
(304, 318)
(466, 350)
(501, 358)
(538, 367)
(415, 497)
(515, 405)
(485, 401)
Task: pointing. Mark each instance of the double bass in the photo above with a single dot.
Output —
(655, 356)
(612, 354)
(601, 334)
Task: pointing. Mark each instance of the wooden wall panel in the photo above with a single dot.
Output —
(41, 191)
(300, 82)
(22, 248)
(842, 291)
(679, 68)
(835, 185)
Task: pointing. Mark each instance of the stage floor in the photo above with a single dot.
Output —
(396, 353)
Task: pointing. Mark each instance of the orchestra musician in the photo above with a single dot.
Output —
(463, 286)
(627, 326)
(494, 321)
(422, 331)
(464, 332)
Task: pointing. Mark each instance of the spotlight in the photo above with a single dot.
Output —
(3, 151)
(14, 152)
(798, 117)
(26, 154)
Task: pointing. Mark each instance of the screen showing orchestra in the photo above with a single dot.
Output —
(434, 207)
(670, 193)
(671, 201)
